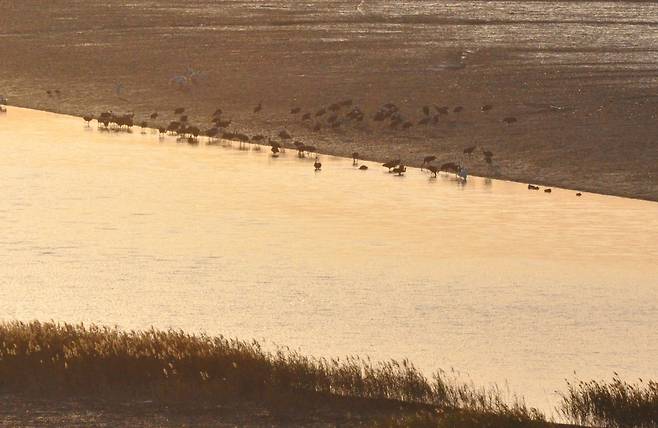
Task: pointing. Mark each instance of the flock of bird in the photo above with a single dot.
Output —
(337, 114)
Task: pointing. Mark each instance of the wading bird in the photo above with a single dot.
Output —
(427, 160)
(317, 164)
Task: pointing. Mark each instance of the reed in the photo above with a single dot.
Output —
(42, 357)
(614, 403)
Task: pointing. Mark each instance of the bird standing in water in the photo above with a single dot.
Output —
(317, 164)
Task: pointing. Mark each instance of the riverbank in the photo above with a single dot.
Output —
(588, 126)
(62, 374)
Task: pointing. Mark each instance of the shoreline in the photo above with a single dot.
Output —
(382, 160)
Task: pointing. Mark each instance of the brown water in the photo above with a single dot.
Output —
(499, 282)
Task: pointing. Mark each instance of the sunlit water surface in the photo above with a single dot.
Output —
(501, 283)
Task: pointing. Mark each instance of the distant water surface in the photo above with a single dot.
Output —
(502, 283)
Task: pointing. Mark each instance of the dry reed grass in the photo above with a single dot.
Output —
(43, 357)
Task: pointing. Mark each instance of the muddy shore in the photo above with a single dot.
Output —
(584, 121)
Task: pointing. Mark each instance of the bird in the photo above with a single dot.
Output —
(317, 163)
(275, 151)
(449, 167)
(391, 164)
(154, 115)
(547, 190)
(469, 150)
(579, 194)
(363, 167)
(400, 169)
(531, 187)
(433, 169)
(427, 160)
(88, 118)
(49, 92)
(355, 158)
(509, 120)
(179, 110)
(486, 107)
(295, 110)
(259, 107)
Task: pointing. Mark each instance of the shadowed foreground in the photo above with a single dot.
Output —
(180, 377)
(61, 374)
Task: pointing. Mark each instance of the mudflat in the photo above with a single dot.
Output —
(578, 78)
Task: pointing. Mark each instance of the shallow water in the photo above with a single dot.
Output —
(499, 282)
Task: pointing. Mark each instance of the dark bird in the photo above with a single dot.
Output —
(547, 190)
(469, 150)
(531, 187)
(509, 120)
(162, 130)
(88, 118)
(391, 164)
(144, 124)
(427, 160)
(486, 107)
(295, 110)
(400, 169)
(457, 109)
(363, 167)
(179, 110)
(433, 169)
(355, 158)
(317, 164)
(49, 92)
(449, 167)
(212, 132)
(259, 107)
(275, 151)
(154, 115)
(579, 194)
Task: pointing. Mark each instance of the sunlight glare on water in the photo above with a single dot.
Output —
(499, 282)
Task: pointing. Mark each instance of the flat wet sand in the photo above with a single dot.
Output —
(578, 76)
